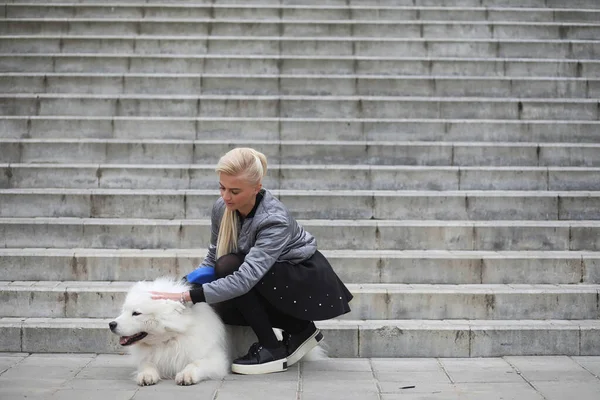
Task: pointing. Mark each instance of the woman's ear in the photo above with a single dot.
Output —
(258, 187)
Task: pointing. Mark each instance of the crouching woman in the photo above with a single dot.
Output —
(269, 273)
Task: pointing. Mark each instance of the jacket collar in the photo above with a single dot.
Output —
(259, 197)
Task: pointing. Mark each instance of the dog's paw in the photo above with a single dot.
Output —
(147, 377)
(189, 376)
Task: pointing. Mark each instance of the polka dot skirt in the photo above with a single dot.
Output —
(310, 291)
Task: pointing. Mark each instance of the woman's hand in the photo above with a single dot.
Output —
(182, 297)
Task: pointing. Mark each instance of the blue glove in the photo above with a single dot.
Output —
(200, 275)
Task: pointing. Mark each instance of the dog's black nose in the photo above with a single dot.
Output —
(112, 325)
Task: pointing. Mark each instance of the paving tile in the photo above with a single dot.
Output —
(333, 386)
(317, 376)
(112, 360)
(26, 382)
(497, 391)
(339, 394)
(7, 362)
(406, 364)
(408, 378)
(412, 387)
(348, 364)
(75, 394)
(55, 372)
(52, 360)
(552, 368)
(592, 364)
(21, 393)
(100, 384)
(565, 390)
(111, 373)
(254, 394)
(480, 370)
(435, 395)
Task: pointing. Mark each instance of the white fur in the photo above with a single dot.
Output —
(190, 344)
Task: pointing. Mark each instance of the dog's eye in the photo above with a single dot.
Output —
(135, 313)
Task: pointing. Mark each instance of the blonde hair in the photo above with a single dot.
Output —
(252, 166)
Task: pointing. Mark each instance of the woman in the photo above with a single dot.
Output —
(268, 269)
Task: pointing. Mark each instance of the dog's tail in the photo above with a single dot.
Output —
(318, 353)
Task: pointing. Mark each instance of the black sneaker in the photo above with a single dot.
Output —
(299, 344)
(261, 360)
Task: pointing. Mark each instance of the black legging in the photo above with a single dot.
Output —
(252, 309)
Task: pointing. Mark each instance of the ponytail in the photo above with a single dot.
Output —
(228, 233)
(252, 165)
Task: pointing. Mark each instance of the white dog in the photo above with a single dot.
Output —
(170, 340)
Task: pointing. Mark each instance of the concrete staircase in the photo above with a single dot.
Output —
(446, 154)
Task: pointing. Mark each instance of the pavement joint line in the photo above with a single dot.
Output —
(376, 378)
(583, 366)
(514, 367)
(80, 371)
(300, 384)
(215, 394)
(444, 368)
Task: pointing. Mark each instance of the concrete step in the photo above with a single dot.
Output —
(72, 299)
(299, 106)
(352, 266)
(108, 233)
(345, 338)
(318, 129)
(317, 204)
(539, 4)
(301, 177)
(291, 45)
(347, 85)
(123, 151)
(302, 11)
(296, 64)
(296, 27)
(525, 4)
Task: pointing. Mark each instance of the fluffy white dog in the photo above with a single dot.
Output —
(169, 340)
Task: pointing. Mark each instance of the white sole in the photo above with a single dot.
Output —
(266, 368)
(304, 348)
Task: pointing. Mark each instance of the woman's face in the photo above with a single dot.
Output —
(238, 193)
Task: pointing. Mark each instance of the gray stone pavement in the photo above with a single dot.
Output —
(104, 376)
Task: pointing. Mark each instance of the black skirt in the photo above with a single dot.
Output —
(309, 291)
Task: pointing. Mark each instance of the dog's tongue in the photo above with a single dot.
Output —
(123, 340)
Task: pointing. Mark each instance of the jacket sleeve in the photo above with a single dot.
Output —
(215, 223)
(271, 239)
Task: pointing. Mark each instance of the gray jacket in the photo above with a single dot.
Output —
(271, 235)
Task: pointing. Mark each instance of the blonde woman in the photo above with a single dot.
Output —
(268, 270)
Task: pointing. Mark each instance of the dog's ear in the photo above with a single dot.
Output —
(174, 319)
(179, 308)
